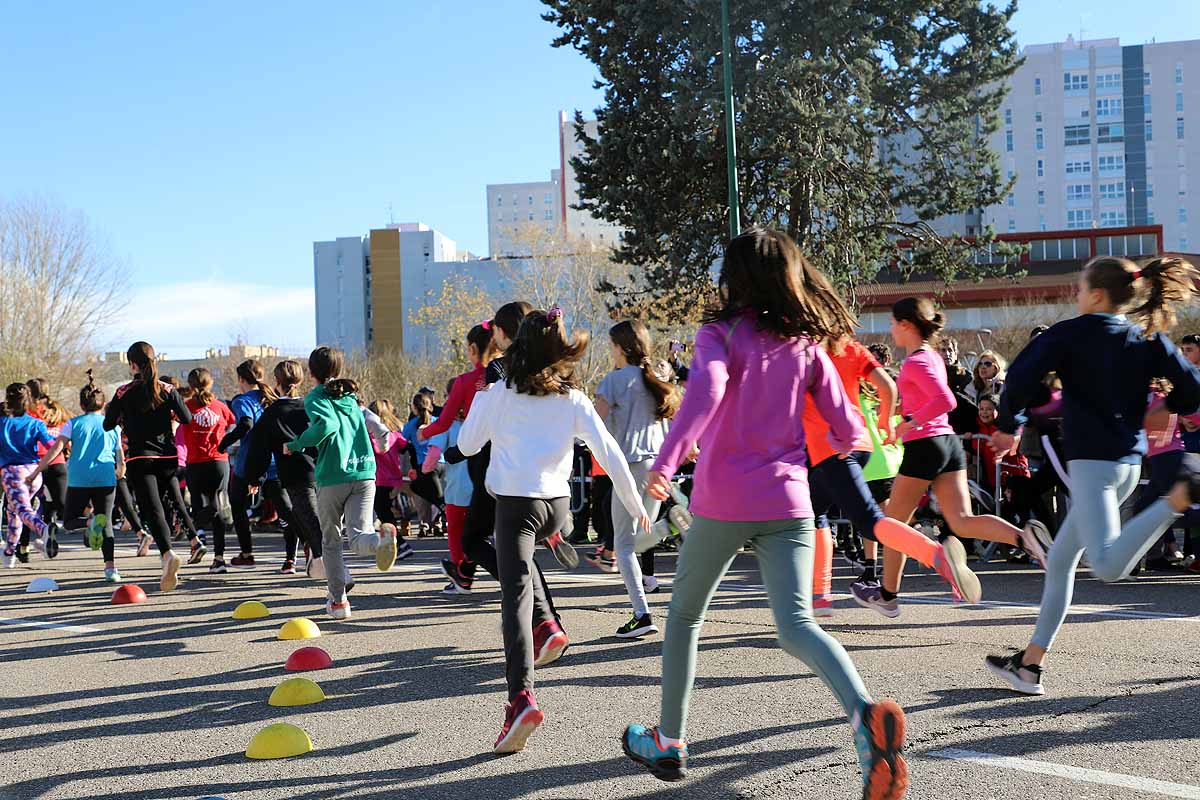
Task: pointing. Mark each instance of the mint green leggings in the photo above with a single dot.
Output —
(785, 557)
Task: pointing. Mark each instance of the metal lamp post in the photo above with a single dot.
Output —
(735, 221)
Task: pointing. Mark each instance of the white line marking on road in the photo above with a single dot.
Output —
(1079, 774)
(1122, 613)
(32, 623)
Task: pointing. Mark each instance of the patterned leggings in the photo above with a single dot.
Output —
(19, 499)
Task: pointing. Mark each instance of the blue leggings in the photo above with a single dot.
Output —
(1094, 524)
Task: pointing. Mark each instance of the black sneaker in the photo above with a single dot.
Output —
(22, 554)
(198, 552)
(52, 531)
(462, 581)
(1023, 678)
(636, 627)
(217, 567)
(404, 550)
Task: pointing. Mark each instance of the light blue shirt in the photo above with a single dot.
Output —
(458, 487)
(93, 460)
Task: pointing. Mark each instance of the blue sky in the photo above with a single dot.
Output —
(213, 143)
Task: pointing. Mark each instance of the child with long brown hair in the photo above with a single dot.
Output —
(21, 437)
(758, 364)
(532, 420)
(345, 475)
(1105, 358)
(390, 473)
(54, 477)
(207, 465)
(635, 404)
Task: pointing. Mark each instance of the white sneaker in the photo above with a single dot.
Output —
(337, 610)
(10, 561)
(170, 573)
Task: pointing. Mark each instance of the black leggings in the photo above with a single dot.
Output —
(150, 478)
(306, 519)
(239, 499)
(54, 492)
(127, 507)
(101, 499)
(206, 480)
(273, 491)
(172, 497)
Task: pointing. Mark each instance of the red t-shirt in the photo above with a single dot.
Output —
(205, 431)
(854, 364)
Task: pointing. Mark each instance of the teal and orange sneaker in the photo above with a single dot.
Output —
(95, 531)
(666, 762)
(879, 739)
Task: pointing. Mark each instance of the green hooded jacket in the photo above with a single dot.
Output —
(339, 432)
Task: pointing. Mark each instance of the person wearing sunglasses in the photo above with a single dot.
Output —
(988, 376)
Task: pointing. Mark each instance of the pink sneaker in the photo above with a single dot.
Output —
(823, 606)
(549, 643)
(521, 718)
(951, 564)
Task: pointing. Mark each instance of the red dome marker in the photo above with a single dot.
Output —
(128, 593)
(308, 658)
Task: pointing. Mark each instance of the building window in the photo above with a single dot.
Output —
(1179, 102)
(1079, 167)
(1041, 168)
(1041, 223)
(1037, 86)
(1179, 128)
(549, 198)
(1079, 218)
(1012, 200)
(530, 199)
(1077, 134)
(531, 216)
(1039, 139)
(1112, 165)
(1149, 216)
(1145, 78)
(1112, 191)
(1108, 80)
(1012, 226)
(1075, 83)
(1183, 243)
(1112, 219)
(1008, 116)
(1182, 215)
(1179, 74)
(1037, 116)
(1110, 107)
(1149, 131)
(1078, 192)
(1041, 197)
(1149, 191)
(1008, 141)
(499, 201)
(1110, 134)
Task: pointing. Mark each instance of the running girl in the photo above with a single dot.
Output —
(1105, 358)
(92, 470)
(757, 365)
(389, 444)
(207, 466)
(144, 409)
(21, 435)
(345, 474)
(532, 421)
(933, 456)
(457, 489)
(635, 404)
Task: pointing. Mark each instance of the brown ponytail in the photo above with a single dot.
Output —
(325, 364)
(921, 312)
(288, 375)
(141, 355)
(91, 397)
(201, 384)
(423, 407)
(633, 338)
(252, 372)
(1147, 295)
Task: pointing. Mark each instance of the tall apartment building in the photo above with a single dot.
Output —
(545, 205)
(359, 282)
(1101, 135)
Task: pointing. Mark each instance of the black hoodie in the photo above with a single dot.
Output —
(281, 422)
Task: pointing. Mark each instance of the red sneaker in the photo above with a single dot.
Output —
(549, 643)
(521, 718)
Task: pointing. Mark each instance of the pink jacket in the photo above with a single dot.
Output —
(389, 463)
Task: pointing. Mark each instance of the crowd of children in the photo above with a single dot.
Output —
(789, 424)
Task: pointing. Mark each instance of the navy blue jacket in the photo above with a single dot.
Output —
(1105, 365)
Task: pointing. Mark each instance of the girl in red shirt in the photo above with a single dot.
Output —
(207, 467)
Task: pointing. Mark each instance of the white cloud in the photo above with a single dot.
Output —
(183, 320)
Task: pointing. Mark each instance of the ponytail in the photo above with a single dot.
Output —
(423, 407)
(91, 397)
(1148, 294)
(633, 338)
(288, 375)
(141, 355)
(252, 372)
(200, 384)
(325, 364)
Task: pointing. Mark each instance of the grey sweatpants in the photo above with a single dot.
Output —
(349, 506)
(1098, 488)
(624, 530)
(785, 557)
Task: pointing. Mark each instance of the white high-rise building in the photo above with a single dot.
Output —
(1101, 135)
(580, 223)
(342, 287)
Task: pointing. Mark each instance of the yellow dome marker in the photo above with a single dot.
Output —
(296, 692)
(251, 609)
(299, 628)
(279, 741)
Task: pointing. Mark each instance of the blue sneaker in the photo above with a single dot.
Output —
(642, 745)
(879, 739)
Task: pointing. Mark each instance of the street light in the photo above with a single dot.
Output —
(735, 221)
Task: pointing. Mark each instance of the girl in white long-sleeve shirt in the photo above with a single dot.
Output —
(532, 421)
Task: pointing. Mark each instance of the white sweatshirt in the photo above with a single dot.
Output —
(533, 439)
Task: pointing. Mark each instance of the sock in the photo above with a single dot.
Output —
(869, 573)
(895, 534)
(823, 563)
(886, 595)
(667, 741)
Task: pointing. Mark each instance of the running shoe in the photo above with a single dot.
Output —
(95, 530)
(288, 568)
(650, 584)
(549, 643)
(111, 575)
(951, 563)
(460, 579)
(10, 557)
(51, 544)
(601, 562)
(315, 568)
(404, 550)
(144, 542)
(385, 551)
(665, 762)
(869, 596)
(337, 610)
(823, 606)
(170, 573)
(1023, 678)
(879, 739)
(453, 588)
(23, 554)
(637, 627)
(564, 553)
(1035, 540)
(224, 508)
(521, 718)
(217, 567)
(242, 561)
(198, 552)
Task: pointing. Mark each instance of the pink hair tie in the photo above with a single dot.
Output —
(554, 314)
(486, 324)
(1137, 273)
